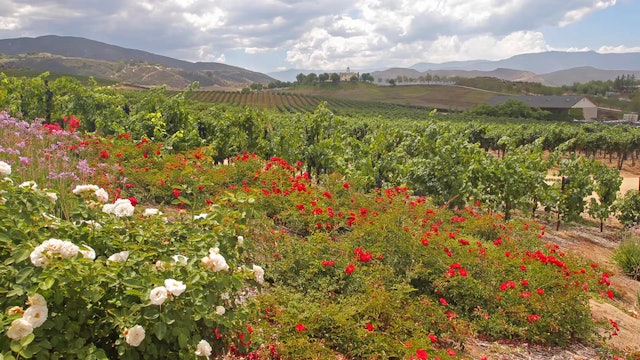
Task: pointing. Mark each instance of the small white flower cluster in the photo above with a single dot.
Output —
(151, 212)
(158, 295)
(35, 315)
(204, 349)
(41, 255)
(215, 261)
(89, 189)
(120, 208)
(258, 272)
(5, 169)
(134, 336)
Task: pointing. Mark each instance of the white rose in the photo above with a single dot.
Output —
(36, 315)
(69, 249)
(240, 240)
(220, 310)
(36, 300)
(19, 328)
(123, 207)
(151, 212)
(52, 196)
(81, 189)
(121, 256)
(38, 259)
(5, 169)
(134, 336)
(175, 287)
(158, 295)
(102, 195)
(108, 208)
(203, 349)
(215, 261)
(88, 253)
(29, 184)
(258, 272)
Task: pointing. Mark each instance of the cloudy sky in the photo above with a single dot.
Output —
(272, 35)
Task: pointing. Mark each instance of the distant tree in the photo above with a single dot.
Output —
(312, 78)
(301, 78)
(366, 77)
(256, 86)
(245, 90)
(354, 78)
(392, 82)
(335, 78)
(324, 77)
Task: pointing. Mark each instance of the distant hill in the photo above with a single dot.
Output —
(544, 62)
(76, 55)
(570, 76)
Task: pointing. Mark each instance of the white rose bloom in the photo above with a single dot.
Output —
(19, 328)
(52, 196)
(29, 184)
(102, 195)
(134, 336)
(240, 240)
(123, 207)
(258, 272)
(151, 212)
(180, 259)
(36, 300)
(88, 253)
(220, 310)
(119, 257)
(36, 315)
(5, 169)
(203, 349)
(89, 189)
(108, 208)
(158, 295)
(41, 254)
(215, 261)
(175, 287)
(201, 216)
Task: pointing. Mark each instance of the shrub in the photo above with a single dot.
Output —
(627, 256)
(628, 208)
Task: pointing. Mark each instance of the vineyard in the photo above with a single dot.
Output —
(150, 224)
(291, 102)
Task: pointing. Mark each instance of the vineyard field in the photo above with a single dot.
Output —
(291, 102)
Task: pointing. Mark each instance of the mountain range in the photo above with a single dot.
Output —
(80, 56)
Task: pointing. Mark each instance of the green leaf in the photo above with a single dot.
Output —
(160, 330)
(15, 346)
(47, 283)
(24, 274)
(28, 339)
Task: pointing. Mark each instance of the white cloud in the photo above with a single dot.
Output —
(618, 49)
(323, 34)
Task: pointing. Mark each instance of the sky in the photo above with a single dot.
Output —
(331, 35)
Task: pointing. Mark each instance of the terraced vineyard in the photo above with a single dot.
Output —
(289, 102)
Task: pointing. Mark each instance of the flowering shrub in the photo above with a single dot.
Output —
(120, 287)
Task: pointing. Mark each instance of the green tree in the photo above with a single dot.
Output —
(607, 182)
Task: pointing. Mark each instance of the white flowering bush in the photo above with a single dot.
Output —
(129, 286)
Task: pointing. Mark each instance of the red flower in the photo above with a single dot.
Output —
(350, 268)
(422, 354)
(176, 193)
(300, 327)
(462, 272)
(133, 200)
(327, 263)
(523, 268)
(434, 339)
(369, 327)
(610, 294)
(104, 154)
(346, 185)
(455, 266)
(524, 282)
(128, 185)
(443, 301)
(540, 291)
(533, 318)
